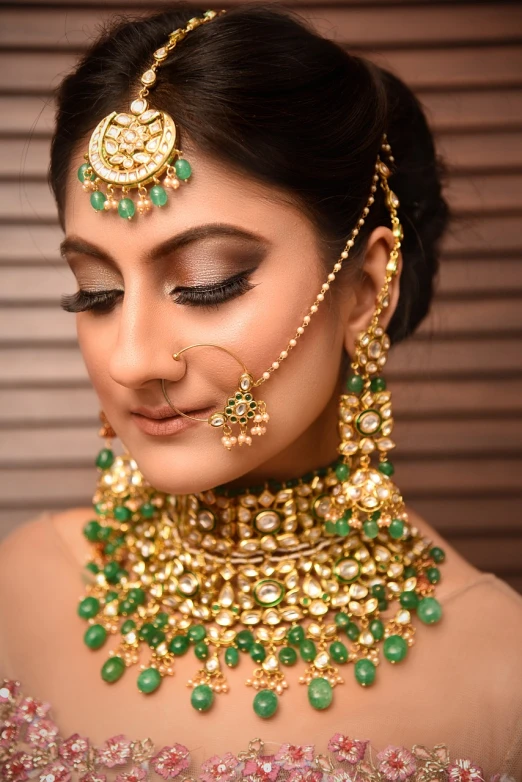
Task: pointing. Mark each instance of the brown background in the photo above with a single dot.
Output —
(457, 385)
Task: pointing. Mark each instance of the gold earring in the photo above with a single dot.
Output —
(241, 407)
(105, 457)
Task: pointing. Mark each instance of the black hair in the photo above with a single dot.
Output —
(264, 93)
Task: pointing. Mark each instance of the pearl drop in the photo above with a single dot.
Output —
(257, 418)
(248, 441)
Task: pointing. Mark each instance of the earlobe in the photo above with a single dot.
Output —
(370, 282)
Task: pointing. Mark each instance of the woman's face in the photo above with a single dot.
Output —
(230, 262)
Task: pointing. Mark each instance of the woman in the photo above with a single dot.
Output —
(258, 209)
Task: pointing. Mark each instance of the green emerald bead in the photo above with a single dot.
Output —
(342, 620)
(146, 630)
(433, 574)
(386, 468)
(396, 528)
(409, 599)
(244, 640)
(149, 680)
(91, 530)
(201, 650)
(231, 657)
(330, 527)
(158, 195)
(352, 631)
(355, 384)
(95, 636)
(376, 515)
(342, 527)
(105, 459)
(265, 703)
(383, 605)
(202, 697)
(394, 648)
(376, 628)
(126, 607)
(179, 645)
(339, 652)
(109, 548)
(371, 529)
(196, 633)
(82, 176)
(121, 513)
(105, 533)
(112, 669)
(111, 571)
(156, 638)
(409, 572)
(88, 607)
(307, 650)
(126, 208)
(342, 471)
(377, 384)
(437, 554)
(183, 168)
(429, 610)
(160, 620)
(99, 508)
(128, 626)
(295, 635)
(287, 655)
(98, 200)
(364, 672)
(137, 595)
(379, 591)
(257, 652)
(147, 510)
(93, 567)
(320, 693)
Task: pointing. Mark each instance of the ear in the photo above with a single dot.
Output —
(368, 285)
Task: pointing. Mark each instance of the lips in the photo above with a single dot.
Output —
(158, 413)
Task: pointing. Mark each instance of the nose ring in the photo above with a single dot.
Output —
(241, 409)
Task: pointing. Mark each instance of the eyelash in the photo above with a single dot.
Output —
(210, 296)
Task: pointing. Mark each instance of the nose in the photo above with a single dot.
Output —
(142, 351)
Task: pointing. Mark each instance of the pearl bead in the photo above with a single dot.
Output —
(325, 286)
(344, 253)
(275, 365)
(266, 375)
(258, 418)
(300, 330)
(233, 441)
(284, 354)
(331, 277)
(337, 267)
(306, 319)
(293, 343)
(320, 297)
(350, 242)
(313, 308)
(248, 440)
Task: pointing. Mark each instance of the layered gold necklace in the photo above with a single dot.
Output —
(278, 574)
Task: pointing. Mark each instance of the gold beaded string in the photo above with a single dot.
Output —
(381, 171)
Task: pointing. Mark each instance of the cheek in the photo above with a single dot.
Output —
(95, 348)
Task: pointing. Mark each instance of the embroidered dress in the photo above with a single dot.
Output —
(32, 748)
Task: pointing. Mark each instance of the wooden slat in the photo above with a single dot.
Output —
(425, 439)
(459, 517)
(419, 398)
(458, 278)
(485, 236)
(476, 194)
(484, 66)
(44, 324)
(493, 554)
(66, 485)
(447, 111)
(360, 27)
(489, 152)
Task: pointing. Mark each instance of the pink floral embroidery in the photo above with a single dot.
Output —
(74, 749)
(56, 772)
(465, 771)
(29, 709)
(344, 748)
(91, 776)
(9, 690)
(17, 767)
(217, 769)
(134, 775)
(41, 733)
(293, 756)
(340, 776)
(396, 763)
(171, 761)
(305, 775)
(264, 768)
(9, 733)
(115, 752)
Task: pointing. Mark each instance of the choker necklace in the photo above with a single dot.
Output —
(273, 573)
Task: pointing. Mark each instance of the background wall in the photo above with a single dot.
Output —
(457, 385)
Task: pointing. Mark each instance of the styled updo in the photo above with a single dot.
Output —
(263, 93)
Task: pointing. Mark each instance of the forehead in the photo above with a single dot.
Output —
(215, 192)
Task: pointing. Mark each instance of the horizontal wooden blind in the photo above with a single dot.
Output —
(457, 384)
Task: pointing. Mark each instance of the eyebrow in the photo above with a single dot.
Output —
(194, 234)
